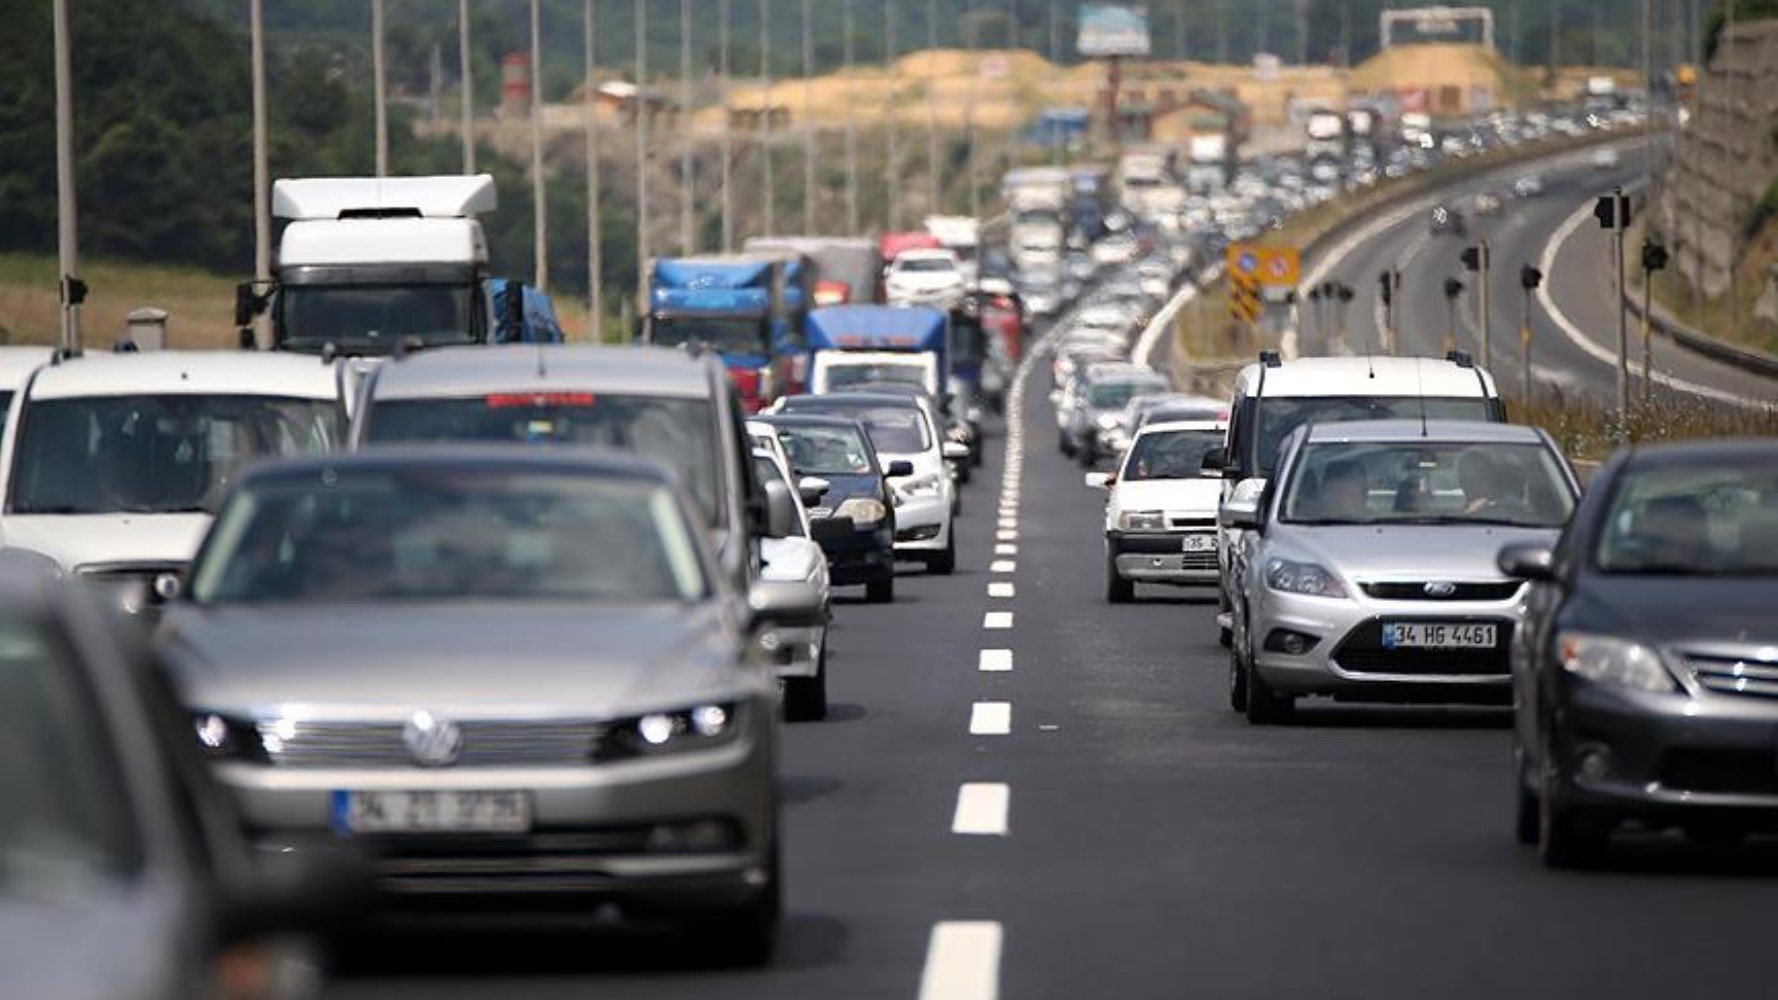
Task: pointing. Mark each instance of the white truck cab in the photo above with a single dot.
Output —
(112, 464)
(843, 371)
(368, 264)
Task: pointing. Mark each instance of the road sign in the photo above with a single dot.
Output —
(1245, 304)
(1278, 267)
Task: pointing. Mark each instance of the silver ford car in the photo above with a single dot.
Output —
(515, 677)
(1367, 569)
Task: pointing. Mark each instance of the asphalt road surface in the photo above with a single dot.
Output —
(1124, 833)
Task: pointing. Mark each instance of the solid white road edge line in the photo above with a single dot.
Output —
(962, 961)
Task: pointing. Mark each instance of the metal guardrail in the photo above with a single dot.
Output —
(1699, 342)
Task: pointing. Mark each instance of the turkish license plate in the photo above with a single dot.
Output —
(1438, 635)
(431, 812)
(1199, 543)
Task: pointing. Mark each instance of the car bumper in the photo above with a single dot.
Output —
(865, 556)
(1160, 557)
(1347, 659)
(691, 830)
(1663, 757)
(794, 652)
(923, 524)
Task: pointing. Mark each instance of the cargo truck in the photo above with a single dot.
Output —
(733, 305)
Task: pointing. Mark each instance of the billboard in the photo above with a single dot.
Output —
(1113, 29)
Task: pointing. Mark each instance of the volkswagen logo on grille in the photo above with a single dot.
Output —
(434, 742)
(1439, 589)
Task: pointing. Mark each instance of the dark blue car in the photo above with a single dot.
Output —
(855, 520)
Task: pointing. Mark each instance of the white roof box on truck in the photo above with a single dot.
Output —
(448, 197)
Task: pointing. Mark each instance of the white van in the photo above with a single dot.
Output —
(112, 464)
(1274, 397)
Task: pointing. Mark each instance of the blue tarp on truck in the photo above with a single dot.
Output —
(881, 328)
(734, 306)
(536, 322)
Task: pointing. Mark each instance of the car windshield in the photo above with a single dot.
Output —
(842, 377)
(673, 431)
(1115, 395)
(155, 454)
(826, 451)
(1694, 521)
(1428, 482)
(67, 826)
(1170, 455)
(438, 533)
(893, 430)
(924, 265)
(374, 318)
(723, 334)
(1279, 415)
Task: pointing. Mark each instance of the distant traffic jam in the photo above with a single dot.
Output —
(425, 612)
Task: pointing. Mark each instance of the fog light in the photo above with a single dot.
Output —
(656, 729)
(696, 835)
(1594, 762)
(709, 720)
(1290, 642)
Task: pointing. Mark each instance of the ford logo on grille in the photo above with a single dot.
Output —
(433, 742)
(1439, 589)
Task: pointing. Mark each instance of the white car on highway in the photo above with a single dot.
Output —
(1160, 514)
(925, 278)
(798, 655)
(113, 464)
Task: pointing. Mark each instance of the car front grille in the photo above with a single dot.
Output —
(1205, 561)
(1190, 522)
(1416, 590)
(1362, 652)
(380, 744)
(1733, 675)
(1719, 771)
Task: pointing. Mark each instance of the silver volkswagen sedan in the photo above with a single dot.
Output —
(1368, 572)
(515, 678)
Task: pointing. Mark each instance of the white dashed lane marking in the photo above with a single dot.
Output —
(997, 620)
(994, 661)
(1006, 550)
(962, 961)
(981, 809)
(1002, 566)
(990, 718)
(1000, 590)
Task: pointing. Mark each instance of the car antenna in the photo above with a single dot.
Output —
(1420, 387)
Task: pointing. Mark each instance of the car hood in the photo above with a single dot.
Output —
(75, 540)
(112, 944)
(842, 488)
(1197, 495)
(1711, 611)
(1408, 552)
(464, 658)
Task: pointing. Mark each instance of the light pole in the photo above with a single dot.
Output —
(640, 109)
(975, 79)
(595, 293)
(770, 193)
(688, 237)
(932, 106)
(380, 86)
(851, 122)
(1529, 279)
(1453, 289)
(892, 138)
(262, 216)
(466, 86)
(67, 231)
(727, 177)
(1477, 259)
(808, 117)
(539, 210)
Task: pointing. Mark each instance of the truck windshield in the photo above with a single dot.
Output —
(675, 432)
(372, 319)
(155, 454)
(723, 334)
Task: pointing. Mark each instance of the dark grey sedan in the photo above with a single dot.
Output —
(1646, 673)
(515, 677)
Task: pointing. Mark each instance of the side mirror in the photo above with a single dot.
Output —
(954, 451)
(785, 604)
(781, 519)
(901, 468)
(811, 489)
(306, 893)
(1242, 515)
(1100, 480)
(1214, 460)
(1527, 561)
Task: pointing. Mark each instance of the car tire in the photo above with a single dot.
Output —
(1064, 445)
(805, 698)
(746, 936)
(1525, 816)
(944, 563)
(1224, 635)
(1566, 836)
(881, 591)
(1117, 589)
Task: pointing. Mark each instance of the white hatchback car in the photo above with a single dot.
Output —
(1160, 517)
(798, 655)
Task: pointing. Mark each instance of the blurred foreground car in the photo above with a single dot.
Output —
(1369, 573)
(124, 871)
(855, 519)
(1647, 670)
(799, 655)
(516, 678)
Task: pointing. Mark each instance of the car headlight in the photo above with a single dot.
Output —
(864, 511)
(1107, 421)
(1142, 520)
(920, 486)
(697, 728)
(1607, 660)
(1290, 577)
(221, 737)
